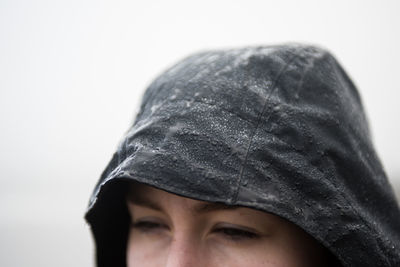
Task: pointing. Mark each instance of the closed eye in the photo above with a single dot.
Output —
(149, 226)
(236, 234)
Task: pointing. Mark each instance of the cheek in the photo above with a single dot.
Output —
(269, 252)
(287, 250)
(143, 251)
(262, 253)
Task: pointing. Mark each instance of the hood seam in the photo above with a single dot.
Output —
(274, 88)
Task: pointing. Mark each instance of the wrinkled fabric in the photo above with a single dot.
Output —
(277, 128)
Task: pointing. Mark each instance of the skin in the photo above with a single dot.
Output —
(169, 230)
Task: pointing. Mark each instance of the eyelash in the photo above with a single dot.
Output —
(236, 234)
(233, 234)
(147, 226)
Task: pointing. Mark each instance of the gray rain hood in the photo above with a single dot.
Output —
(277, 128)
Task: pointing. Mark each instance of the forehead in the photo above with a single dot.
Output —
(139, 192)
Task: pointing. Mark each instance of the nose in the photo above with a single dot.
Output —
(185, 251)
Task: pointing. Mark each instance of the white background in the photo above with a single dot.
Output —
(72, 73)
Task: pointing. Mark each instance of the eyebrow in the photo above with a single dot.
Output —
(198, 208)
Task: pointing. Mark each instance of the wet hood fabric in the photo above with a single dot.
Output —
(278, 128)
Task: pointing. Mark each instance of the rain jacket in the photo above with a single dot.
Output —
(277, 128)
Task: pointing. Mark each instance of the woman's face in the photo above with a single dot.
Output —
(172, 231)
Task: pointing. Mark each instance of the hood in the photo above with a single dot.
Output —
(277, 128)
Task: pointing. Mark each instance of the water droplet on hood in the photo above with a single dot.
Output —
(277, 108)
